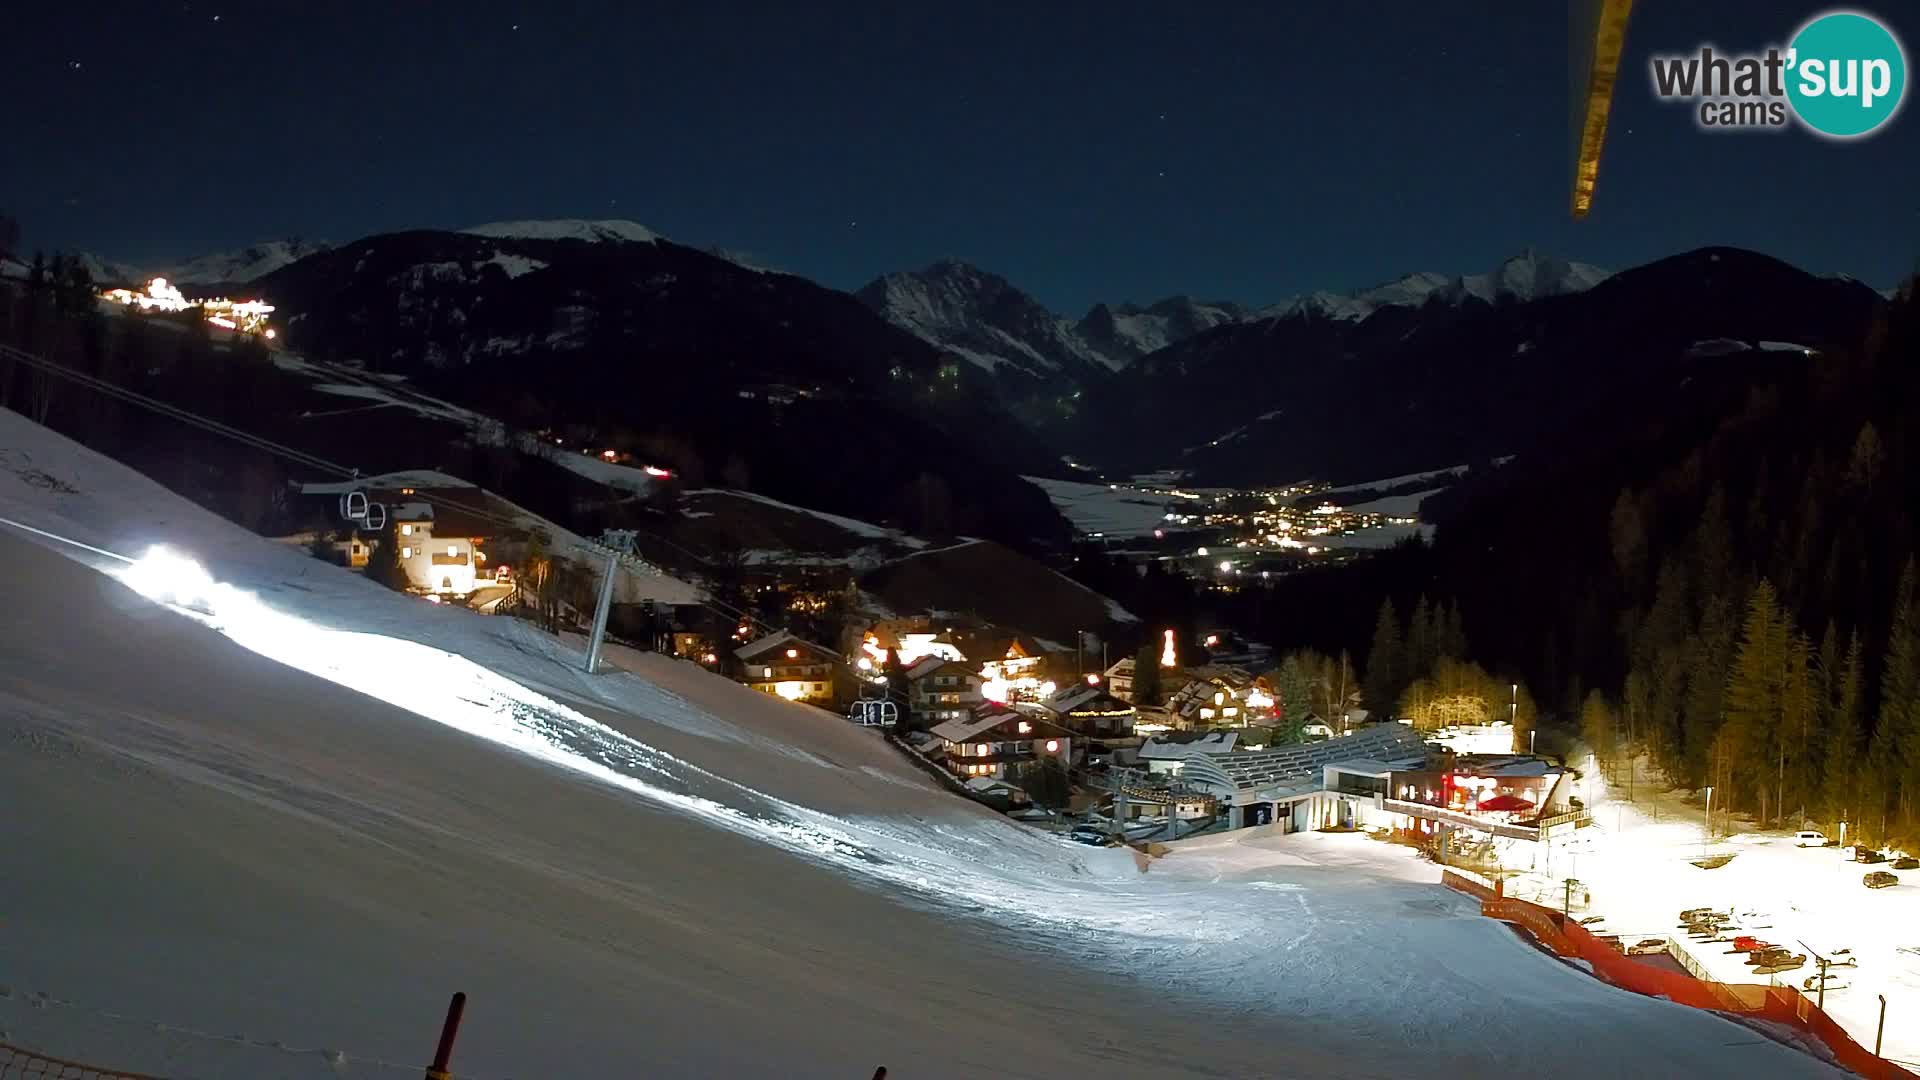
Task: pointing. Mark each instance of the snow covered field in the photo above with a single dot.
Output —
(1638, 870)
(650, 872)
(1097, 508)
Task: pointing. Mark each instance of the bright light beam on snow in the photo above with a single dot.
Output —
(454, 691)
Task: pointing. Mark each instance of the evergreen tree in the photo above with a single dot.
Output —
(383, 562)
(1898, 730)
(1385, 663)
(1842, 765)
(1292, 686)
(1453, 635)
(1702, 684)
(1756, 699)
(1146, 677)
(1423, 646)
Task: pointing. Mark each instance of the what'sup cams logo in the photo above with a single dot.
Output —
(1843, 75)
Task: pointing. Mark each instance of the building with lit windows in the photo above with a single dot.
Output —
(786, 666)
(437, 560)
(994, 741)
(939, 690)
(1093, 714)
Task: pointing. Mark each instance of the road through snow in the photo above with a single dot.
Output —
(648, 873)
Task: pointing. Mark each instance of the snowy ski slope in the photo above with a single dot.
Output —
(309, 821)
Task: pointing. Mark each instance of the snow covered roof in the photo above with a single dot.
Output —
(1076, 697)
(1177, 746)
(411, 511)
(1505, 765)
(974, 726)
(759, 645)
(1361, 766)
(613, 229)
(1247, 770)
(987, 785)
(932, 664)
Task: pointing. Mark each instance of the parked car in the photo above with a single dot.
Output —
(1747, 943)
(1879, 879)
(1647, 945)
(1865, 854)
(1809, 838)
(1906, 862)
(1091, 835)
(1773, 965)
(1813, 983)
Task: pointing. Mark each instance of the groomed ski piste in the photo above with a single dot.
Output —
(261, 822)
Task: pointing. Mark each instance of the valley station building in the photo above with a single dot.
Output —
(1385, 776)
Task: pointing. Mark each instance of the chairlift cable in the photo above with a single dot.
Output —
(301, 457)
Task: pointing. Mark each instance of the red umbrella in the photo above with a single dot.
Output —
(1504, 802)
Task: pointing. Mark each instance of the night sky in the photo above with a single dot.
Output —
(1086, 151)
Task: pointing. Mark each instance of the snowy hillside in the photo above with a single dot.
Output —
(611, 230)
(1105, 509)
(311, 813)
(240, 267)
(1522, 277)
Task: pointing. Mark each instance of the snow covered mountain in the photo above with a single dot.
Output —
(1523, 277)
(612, 230)
(982, 317)
(247, 264)
(109, 271)
(1129, 331)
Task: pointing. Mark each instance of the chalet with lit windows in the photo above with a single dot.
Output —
(786, 666)
(939, 690)
(1217, 696)
(994, 741)
(439, 559)
(1093, 714)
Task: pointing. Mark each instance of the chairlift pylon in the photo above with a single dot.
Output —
(353, 505)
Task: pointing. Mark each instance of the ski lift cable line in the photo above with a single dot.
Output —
(185, 416)
(312, 461)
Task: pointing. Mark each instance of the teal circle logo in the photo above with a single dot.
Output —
(1847, 74)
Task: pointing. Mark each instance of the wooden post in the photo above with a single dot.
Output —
(444, 1052)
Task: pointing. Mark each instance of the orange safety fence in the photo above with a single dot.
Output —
(1780, 1004)
(19, 1063)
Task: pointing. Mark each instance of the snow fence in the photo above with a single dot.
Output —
(18, 1063)
(1781, 1004)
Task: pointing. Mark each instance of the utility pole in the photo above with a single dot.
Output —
(1882, 1028)
(600, 612)
(1709, 812)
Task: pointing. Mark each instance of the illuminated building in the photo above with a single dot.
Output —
(788, 667)
(993, 739)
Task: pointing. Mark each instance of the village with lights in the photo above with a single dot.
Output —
(163, 297)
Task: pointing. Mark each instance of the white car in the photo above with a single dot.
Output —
(1809, 838)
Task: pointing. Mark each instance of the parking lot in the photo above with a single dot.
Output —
(1640, 875)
